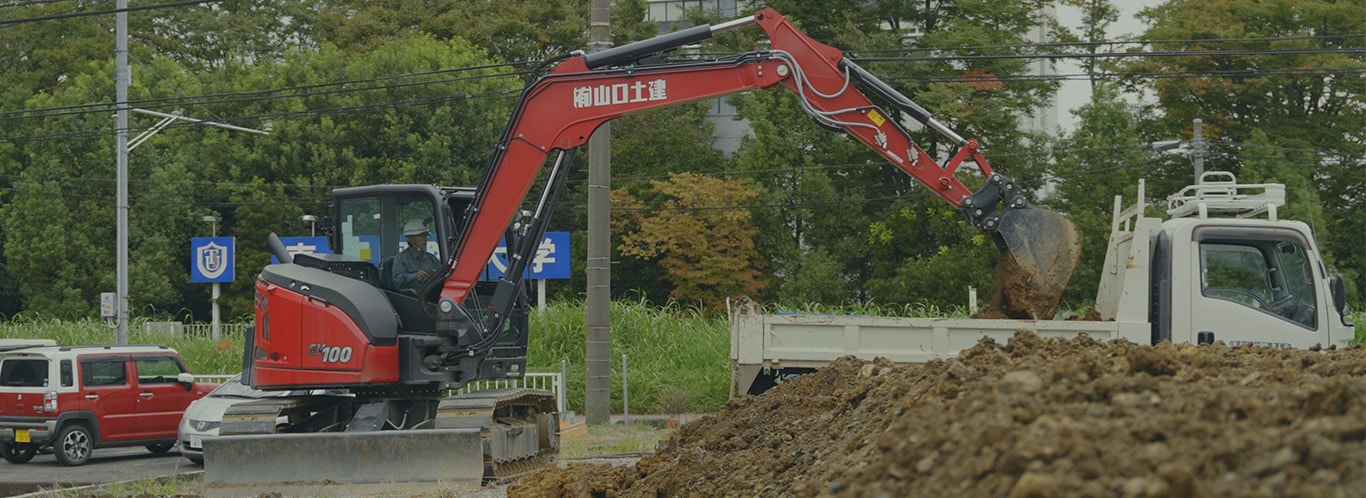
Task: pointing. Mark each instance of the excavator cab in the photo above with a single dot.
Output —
(368, 225)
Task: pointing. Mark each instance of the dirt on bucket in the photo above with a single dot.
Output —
(1032, 418)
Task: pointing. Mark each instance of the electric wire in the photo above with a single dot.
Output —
(54, 17)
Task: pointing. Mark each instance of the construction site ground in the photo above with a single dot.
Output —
(1032, 418)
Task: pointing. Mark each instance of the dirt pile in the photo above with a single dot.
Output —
(1034, 418)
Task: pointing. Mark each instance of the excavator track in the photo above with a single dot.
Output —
(519, 428)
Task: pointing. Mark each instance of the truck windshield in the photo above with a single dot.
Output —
(1274, 277)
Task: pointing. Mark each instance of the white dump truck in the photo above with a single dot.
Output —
(1224, 268)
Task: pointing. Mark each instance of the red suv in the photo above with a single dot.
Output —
(78, 398)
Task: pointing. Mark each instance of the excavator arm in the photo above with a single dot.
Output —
(560, 110)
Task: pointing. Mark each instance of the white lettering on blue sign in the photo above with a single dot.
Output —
(546, 262)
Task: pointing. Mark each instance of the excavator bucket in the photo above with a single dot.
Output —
(1041, 248)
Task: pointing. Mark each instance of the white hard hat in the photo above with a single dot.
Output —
(415, 226)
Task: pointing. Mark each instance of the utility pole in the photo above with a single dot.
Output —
(1198, 143)
(1193, 148)
(122, 77)
(598, 345)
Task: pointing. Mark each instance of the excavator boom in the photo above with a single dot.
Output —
(559, 111)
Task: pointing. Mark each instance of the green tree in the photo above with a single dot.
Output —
(1307, 100)
(1105, 156)
(1097, 19)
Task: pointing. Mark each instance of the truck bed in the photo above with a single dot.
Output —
(766, 347)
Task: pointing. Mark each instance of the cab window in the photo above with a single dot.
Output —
(372, 227)
(1275, 277)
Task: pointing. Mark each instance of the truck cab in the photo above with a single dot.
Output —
(1224, 267)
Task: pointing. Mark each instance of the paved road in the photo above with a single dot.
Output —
(105, 466)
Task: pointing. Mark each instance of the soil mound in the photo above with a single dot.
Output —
(1033, 418)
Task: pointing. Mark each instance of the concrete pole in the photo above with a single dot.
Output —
(217, 291)
(122, 77)
(598, 344)
(1198, 143)
(217, 324)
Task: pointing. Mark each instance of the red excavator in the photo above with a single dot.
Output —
(339, 322)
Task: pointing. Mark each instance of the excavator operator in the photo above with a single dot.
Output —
(413, 266)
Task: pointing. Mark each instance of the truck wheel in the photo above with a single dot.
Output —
(74, 445)
(17, 452)
(160, 448)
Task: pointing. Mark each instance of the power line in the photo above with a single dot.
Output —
(261, 95)
(54, 17)
(31, 3)
(265, 95)
(1080, 44)
(1118, 55)
(914, 79)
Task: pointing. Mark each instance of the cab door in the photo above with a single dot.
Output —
(106, 391)
(161, 399)
(1256, 286)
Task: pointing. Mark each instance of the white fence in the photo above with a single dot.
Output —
(214, 379)
(550, 381)
(196, 329)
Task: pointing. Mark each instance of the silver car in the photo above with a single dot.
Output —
(203, 416)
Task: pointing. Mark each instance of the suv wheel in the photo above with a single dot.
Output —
(160, 448)
(17, 452)
(74, 445)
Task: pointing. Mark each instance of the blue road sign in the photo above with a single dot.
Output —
(551, 261)
(211, 259)
(306, 245)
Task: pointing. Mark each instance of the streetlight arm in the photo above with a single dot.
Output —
(199, 121)
(142, 137)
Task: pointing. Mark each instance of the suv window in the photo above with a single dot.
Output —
(103, 373)
(157, 370)
(20, 372)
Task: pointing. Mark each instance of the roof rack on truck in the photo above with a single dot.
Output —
(1218, 192)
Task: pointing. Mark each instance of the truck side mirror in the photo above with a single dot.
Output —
(1339, 289)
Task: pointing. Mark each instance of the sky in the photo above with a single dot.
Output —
(1074, 94)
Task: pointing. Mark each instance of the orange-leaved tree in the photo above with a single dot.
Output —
(699, 229)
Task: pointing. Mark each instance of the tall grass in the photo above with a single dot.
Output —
(676, 359)
(203, 356)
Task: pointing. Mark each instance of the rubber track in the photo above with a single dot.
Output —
(479, 409)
